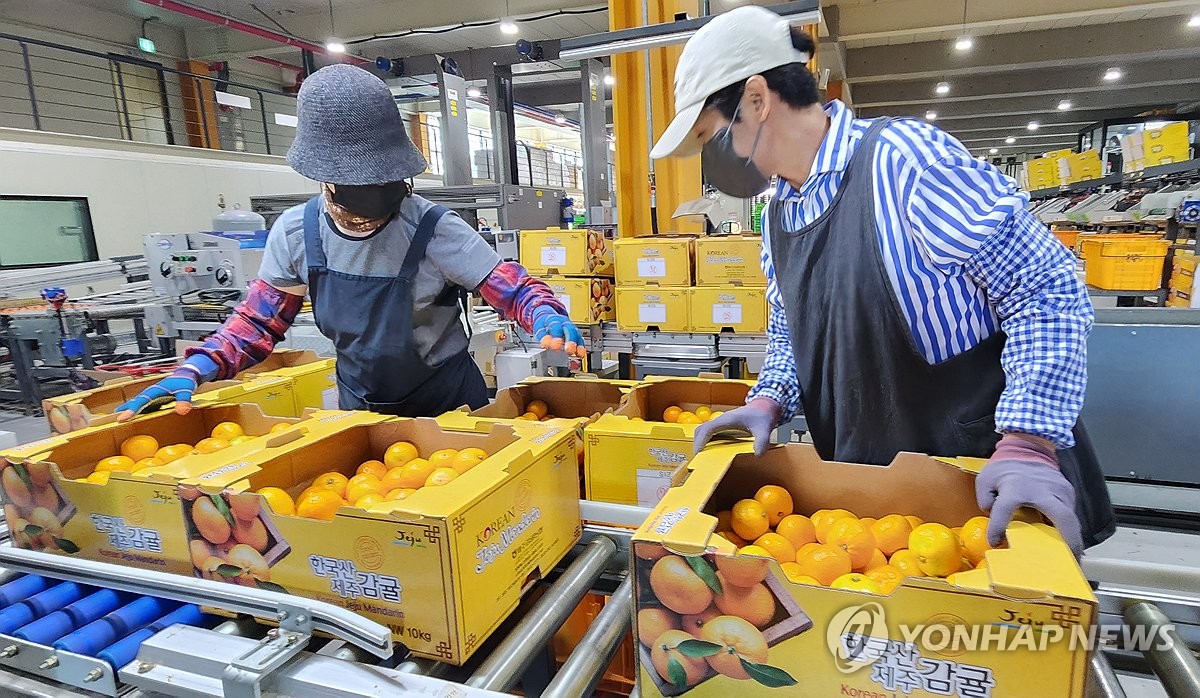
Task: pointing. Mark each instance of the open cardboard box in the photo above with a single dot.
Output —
(629, 455)
(133, 518)
(314, 378)
(442, 568)
(1034, 584)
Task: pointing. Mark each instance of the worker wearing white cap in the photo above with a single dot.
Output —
(914, 304)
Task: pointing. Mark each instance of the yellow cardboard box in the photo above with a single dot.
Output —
(729, 308)
(587, 300)
(314, 379)
(1179, 299)
(133, 519)
(442, 568)
(566, 252)
(629, 455)
(640, 309)
(660, 260)
(1165, 145)
(1010, 629)
(735, 259)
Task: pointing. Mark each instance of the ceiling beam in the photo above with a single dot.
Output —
(1037, 107)
(1015, 125)
(476, 64)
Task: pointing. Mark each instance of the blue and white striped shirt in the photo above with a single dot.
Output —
(964, 257)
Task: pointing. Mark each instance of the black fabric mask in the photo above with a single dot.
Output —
(726, 170)
(370, 200)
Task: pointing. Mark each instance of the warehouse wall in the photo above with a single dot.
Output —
(138, 188)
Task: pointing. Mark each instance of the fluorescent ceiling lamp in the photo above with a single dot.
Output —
(474, 92)
(1112, 74)
(930, 116)
(1010, 140)
(942, 88)
(1064, 105)
(964, 43)
(1032, 125)
(993, 151)
(508, 26)
(335, 46)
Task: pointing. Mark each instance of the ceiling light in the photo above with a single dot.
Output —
(609, 79)
(993, 151)
(560, 119)
(930, 116)
(964, 43)
(474, 92)
(1032, 125)
(1064, 105)
(1112, 74)
(508, 26)
(1010, 140)
(1194, 21)
(942, 88)
(335, 46)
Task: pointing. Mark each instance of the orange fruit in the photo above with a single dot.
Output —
(734, 538)
(148, 463)
(714, 415)
(468, 458)
(754, 603)
(974, 539)
(703, 412)
(868, 521)
(278, 500)
(878, 559)
(753, 551)
(824, 519)
(853, 537)
(776, 500)
(913, 521)
(139, 447)
(806, 549)
(16, 489)
(778, 546)
(856, 582)
(671, 414)
(227, 431)
(368, 500)
(372, 467)
(688, 418)
(738, 639)
(664, 653)
(250, 560)
(399, 454)
(440, 476)
(693, 622)
(749, 519)
(528, 417)
(413, 474)
(320, 504)
(652, 622)
(795, 574)
(200, 551)
(237, 440)
(398, 494)
(887, 578)
(100, 477)
(537, 408)
(210, 522)
(116, 464)
(280, 428)
(443, 458)
(211, 445)
(967, 565)
(174, 452)
(743, 569)
(891, 533)
(243, 506)
(724, 519)
(825, 563)
(938, 551)
(798, 529)
(678, 587)
(333, 481)
(906, 562)
(252, 533)
(982, 564)
(362, 485)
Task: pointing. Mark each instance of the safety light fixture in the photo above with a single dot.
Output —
(942, 88)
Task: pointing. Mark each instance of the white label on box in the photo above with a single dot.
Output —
(727, 314)
(652, 484)
(649, 313)
(652, 267)
(554, 256)
(329, 398)
(565, 300)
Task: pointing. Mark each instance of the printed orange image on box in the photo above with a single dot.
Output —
(587, 300)
(729, 259)
(629, 455)
(314, 378)
(713, 309)
(652, 308)
(435, 533)
(789, 575)
(108, 493)
(558, 252)
(660, 260)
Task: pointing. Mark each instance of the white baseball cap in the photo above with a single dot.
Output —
(730, 48)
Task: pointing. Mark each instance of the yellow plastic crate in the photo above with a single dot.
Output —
(1125, 264)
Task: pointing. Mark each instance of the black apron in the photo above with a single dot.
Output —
(370, 321)
(868, 391)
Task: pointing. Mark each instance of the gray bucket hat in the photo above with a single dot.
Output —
(349, 130)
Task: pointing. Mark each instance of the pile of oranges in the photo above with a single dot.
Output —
(677, 415)
(143, 451)
(536, 411)
(835, 548)
(400, 473)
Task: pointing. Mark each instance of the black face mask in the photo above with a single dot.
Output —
(370, 200)
(726, 170)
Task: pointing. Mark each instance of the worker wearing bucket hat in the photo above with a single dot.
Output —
(382, 266)
(915, 305)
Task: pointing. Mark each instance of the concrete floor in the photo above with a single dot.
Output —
(24, 428)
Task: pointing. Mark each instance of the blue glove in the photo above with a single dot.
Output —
(1021, 474)
(553, 330)
(177, 387)
(758, 418)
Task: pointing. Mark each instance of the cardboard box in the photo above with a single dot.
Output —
(652, 308)
(1167, 144)
(659, 260)
(1179, 299)
(629, 455)
(133, 519)
(729, 260)
(831, 642)
(727, 309)
(68, 413)
(588, 300)
(442, 568)
(314, 379)
(557, 252)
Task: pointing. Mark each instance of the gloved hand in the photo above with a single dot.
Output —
(177, 387)
(555, 331)
(1024, 473)
(759, 417)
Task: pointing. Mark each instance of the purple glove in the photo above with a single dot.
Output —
(1023, 473)
(758, 418)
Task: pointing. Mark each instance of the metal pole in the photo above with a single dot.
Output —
(262, 106)
(1169, 657)
(124, 105)
(585, 667)
(1102, 681)
(37, 117)
(500, 671)
(166, 105)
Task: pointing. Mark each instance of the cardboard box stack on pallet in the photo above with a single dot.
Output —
(1157, 146)
(577, 265)
(1183, 281)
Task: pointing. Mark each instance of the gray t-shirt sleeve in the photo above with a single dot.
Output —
(283, 257)
(460, 253)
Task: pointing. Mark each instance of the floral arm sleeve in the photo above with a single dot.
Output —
(251, 333)
(515, 294)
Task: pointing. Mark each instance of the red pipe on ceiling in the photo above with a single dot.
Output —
(213, 18)
(276, 63)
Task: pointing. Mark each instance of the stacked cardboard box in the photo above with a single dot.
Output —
(577, 265)
(1183, 281)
